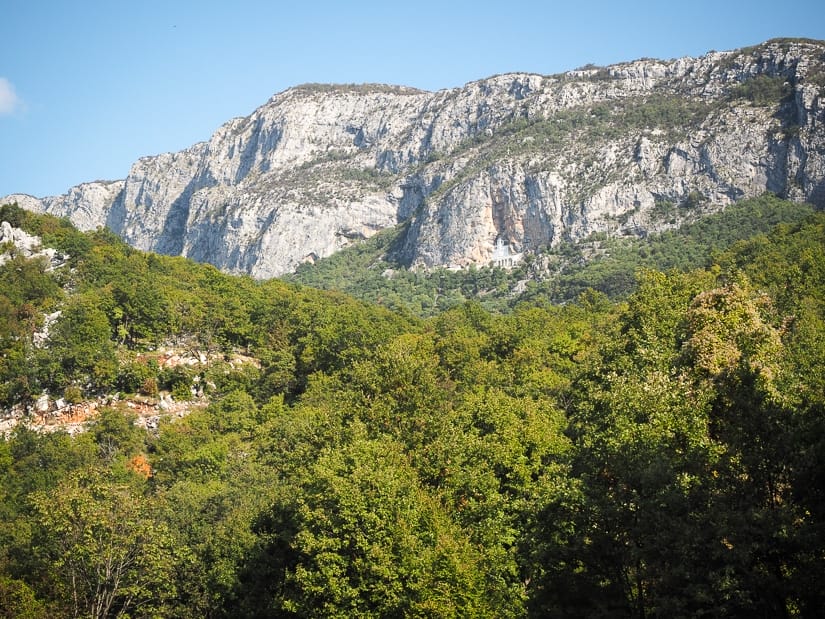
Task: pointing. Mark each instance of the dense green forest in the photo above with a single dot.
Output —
(371, 270)
(656, 454)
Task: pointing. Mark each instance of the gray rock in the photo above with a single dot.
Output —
(526, 160)
(42, 404)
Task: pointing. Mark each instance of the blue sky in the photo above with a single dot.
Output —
(87, 87)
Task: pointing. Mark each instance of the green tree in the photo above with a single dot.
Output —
(80, 348)
(17, 601)
(360, 537)
(632, 534)
(104, 553)
(117, 435)
(684, 497)
(235, 412)
(735, 343)
(28, 280)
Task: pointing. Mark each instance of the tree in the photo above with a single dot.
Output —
(630, 534)
(117, 435)
(80, 348)
(140, 302)
(17, 601)
(735, 344)
(105, 556)
(29, 280)
(358, 536)
(686, 494)
(235, 412)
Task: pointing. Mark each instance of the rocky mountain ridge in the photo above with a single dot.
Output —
(518, 160)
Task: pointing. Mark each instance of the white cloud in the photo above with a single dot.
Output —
(9, 101)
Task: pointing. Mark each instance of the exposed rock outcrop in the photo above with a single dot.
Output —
(14, 241)
(526, 160)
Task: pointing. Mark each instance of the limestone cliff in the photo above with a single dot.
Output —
(525, 160)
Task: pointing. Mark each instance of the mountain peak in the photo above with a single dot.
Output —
(530, 159)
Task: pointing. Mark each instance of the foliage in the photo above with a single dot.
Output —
(763, 90)
(368, 271)
(361, 537)
(17, 600)
(106, 555)
(81, 350)
(656, 455)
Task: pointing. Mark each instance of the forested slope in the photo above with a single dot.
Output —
(371, 270)
(656, 456)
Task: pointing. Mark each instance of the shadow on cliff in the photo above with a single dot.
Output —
(173, 232)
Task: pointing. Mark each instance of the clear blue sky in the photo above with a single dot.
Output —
(87, 87)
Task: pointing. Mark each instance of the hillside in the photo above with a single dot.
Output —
(91, 315)
(657, 456)
(525, 162)
(373, 270)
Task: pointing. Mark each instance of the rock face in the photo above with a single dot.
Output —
(524, 160)
(17, 242)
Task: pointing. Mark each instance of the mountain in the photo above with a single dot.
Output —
(612, 266)
(506, 165)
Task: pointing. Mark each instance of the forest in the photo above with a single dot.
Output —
(658, 452)
(372, 271)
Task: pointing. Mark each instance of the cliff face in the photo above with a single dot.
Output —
(527, 160)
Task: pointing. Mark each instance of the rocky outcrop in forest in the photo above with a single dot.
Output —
(517, 161)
